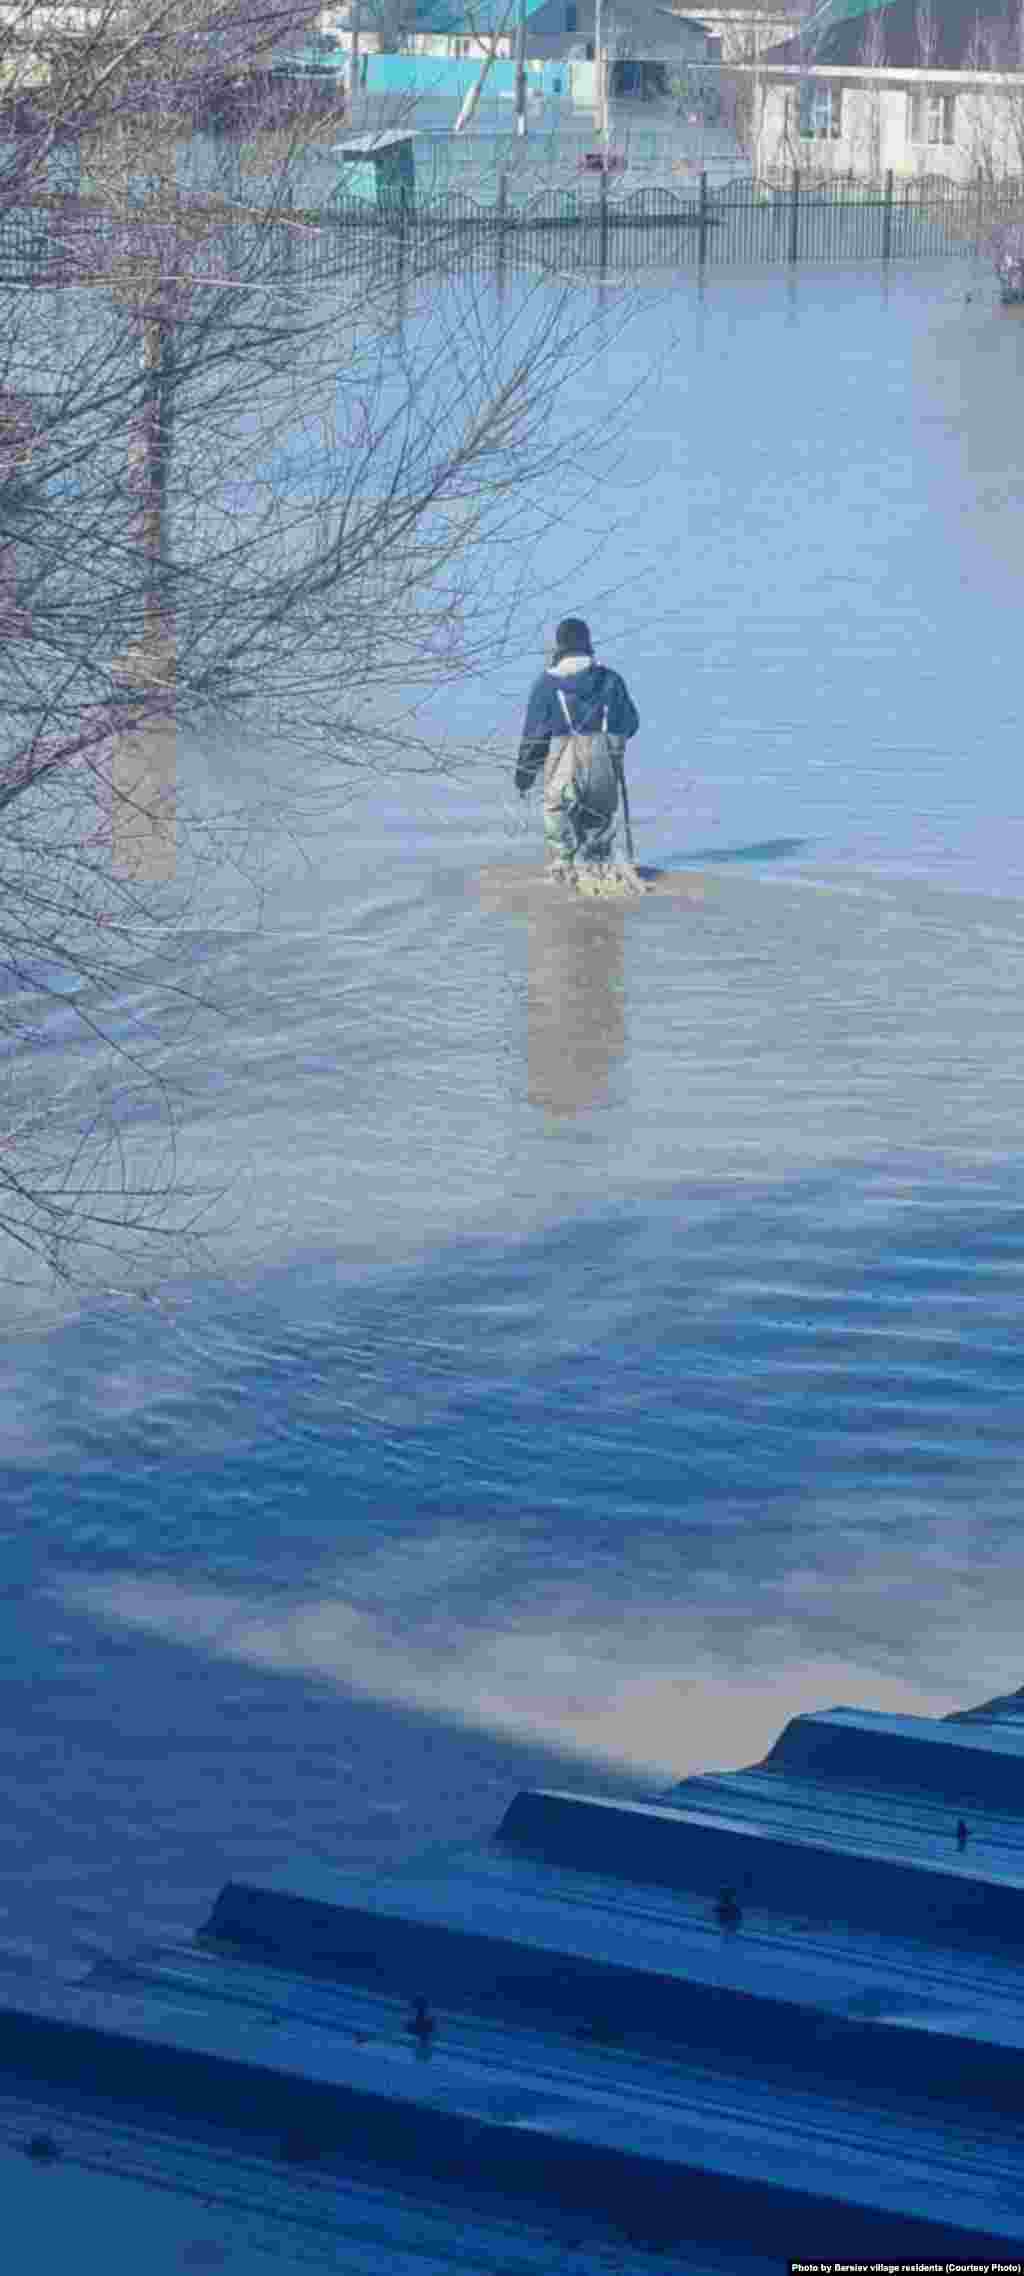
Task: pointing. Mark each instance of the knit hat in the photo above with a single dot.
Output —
(572, 638)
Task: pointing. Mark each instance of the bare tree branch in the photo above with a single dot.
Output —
(227, 497)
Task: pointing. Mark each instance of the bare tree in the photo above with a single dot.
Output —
(228, 495)
(388, 22)
(872, 56)
(744, 101)
(926, 48)
(739, 92)
(990, 120)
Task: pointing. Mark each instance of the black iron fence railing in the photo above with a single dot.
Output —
(791, 220)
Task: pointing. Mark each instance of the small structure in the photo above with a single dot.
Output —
(380, 169)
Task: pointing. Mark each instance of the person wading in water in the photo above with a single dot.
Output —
(578, 721)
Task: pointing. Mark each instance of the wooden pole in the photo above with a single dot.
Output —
(501, 215)
(353, 79)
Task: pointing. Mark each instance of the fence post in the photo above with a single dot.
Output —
(703, 248)
(604, 215)
(794, 214)
(502, 216)
(979, 195)
(887, 216)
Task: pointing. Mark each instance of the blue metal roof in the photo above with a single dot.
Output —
(981, 1761)
(601, 2050)
(672, 2146)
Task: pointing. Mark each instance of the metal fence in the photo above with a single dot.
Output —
(600, 224)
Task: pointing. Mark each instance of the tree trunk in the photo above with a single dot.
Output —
(144, 769)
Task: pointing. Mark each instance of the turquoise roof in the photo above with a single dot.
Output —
(489, 16)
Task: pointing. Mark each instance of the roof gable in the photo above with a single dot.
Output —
(840, 31)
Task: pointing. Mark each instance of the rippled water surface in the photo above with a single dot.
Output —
(611, 1340)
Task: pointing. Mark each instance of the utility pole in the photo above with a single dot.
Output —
(601, 68)
(353, 80)
(758, 103)
(598, 68)
(521, 69)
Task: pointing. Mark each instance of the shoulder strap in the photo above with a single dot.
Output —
(568, 715)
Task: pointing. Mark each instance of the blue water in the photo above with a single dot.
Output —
(607, 1341)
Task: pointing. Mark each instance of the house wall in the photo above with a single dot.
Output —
(987, 128)
(449, 78)
(457, 44)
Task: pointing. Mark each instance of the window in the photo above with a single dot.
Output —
(570, 15)
(820, 113)
(929, 117)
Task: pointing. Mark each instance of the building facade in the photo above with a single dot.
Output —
(926, 88)
(555, 29)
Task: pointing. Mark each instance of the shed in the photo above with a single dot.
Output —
(378, 168)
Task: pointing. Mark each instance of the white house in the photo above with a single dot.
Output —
(921, 87)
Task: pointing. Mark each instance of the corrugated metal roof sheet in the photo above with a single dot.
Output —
(165, 2205)
(669, 2148)
(979, 1762)
(842, 2063)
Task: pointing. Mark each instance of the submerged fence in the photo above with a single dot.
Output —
(601, 224)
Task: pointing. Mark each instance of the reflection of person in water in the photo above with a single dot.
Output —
(575, 1001)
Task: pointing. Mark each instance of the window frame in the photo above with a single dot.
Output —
(921, 104)
(816, 97)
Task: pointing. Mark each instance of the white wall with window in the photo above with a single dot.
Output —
(833, 125)
(930, 118)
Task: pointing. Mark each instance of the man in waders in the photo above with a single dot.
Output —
(578, 719)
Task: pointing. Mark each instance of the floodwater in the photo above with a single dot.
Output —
(610, 1344)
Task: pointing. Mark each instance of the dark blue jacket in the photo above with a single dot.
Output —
(586, 694)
